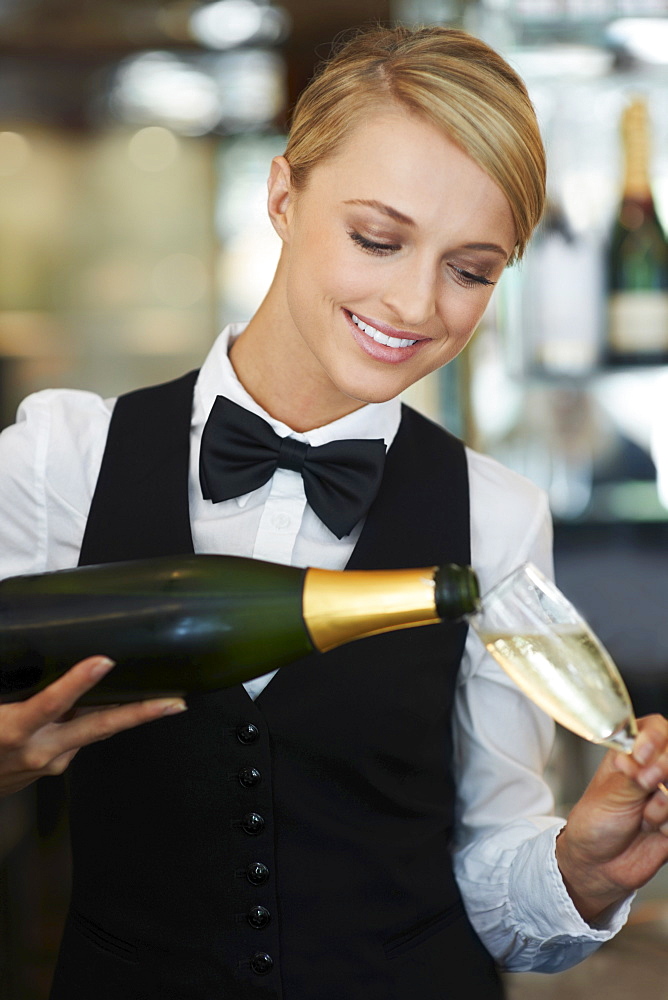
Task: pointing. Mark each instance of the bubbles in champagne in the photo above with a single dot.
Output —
(571, 677)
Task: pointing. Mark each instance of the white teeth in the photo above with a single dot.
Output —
(379, 337)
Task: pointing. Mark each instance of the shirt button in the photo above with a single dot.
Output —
(252, 823)
(247, 733)
(261, 963)
(281, 521)
(258, 917)
(249, 777)
(257, 873)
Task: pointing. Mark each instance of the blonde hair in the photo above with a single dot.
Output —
(451, 79)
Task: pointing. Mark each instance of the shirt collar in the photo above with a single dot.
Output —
(218, 378)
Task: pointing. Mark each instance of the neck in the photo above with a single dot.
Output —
(276, 368)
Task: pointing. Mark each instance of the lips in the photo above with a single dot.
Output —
(381, 341)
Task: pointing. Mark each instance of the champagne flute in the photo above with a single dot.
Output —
(550, 651)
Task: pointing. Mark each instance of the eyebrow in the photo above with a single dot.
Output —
(385, 209)
(398, 216)
(492, 247)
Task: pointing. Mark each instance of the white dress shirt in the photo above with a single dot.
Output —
(504, 854)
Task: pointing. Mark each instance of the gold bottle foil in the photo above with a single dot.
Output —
(338, 607)
(635, 128)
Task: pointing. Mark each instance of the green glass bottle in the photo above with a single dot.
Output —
(637, 256)
(203, 622)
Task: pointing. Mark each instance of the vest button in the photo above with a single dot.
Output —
(247, 733)
(257, 873)
(252, 823)
(258, 917)
(249, 777)
(261, 963)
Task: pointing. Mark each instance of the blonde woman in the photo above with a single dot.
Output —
(377, 827)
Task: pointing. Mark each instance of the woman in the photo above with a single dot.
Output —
(317, 838)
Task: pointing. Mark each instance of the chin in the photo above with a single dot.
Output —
(369, 393)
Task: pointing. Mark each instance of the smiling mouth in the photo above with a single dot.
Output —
(379, 337)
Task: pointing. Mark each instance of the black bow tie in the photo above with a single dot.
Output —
(240, 452)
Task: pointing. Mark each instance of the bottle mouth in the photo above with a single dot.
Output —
(457, 592)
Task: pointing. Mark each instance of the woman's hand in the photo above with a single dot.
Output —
(40, 736)
(616, 837)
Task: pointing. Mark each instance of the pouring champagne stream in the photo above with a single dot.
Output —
(551, 653)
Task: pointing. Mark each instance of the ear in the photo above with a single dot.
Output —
(280, 196)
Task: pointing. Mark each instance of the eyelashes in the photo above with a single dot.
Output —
(371, 247)
(469, 279)
(464, 277)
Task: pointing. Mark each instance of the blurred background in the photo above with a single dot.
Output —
(135, 140)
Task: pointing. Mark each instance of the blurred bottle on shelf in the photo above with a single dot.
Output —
(637, 259)
(563, 291)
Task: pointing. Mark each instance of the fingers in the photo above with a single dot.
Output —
(651, 753)
(655, 814)
(651, 741)
(57, 699)
(100, 724)
(41, 735)
(647, 766)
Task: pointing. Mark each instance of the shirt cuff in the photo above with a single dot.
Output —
(540, 904)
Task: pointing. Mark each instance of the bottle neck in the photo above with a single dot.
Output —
(339, 607)
(635, 137)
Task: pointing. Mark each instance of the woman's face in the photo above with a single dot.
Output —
(391, 252)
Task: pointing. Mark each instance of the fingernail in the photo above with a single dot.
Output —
(174, 707)
(101, 666)
(664, 829)
(650, 779)
(643, 752)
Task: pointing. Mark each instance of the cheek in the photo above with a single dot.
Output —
(462, 312)
(331, 273)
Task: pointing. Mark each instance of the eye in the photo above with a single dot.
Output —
(468, 279)
(371, 246)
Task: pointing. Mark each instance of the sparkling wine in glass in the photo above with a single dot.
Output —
(550, 651)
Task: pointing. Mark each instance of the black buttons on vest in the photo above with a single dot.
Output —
(249, 777)
(247, 733)
(257, 873)
(252, 824)
(261, 963)
(258, 917)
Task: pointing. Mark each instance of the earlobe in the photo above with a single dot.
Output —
(279, 200)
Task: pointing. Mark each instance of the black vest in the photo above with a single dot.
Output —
(294, 847)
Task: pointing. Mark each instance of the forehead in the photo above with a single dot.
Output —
(409, 164)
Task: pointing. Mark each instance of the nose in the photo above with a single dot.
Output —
(412, 294)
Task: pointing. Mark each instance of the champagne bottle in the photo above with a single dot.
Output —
(562, 298)
(638, 256)
(203, 622)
